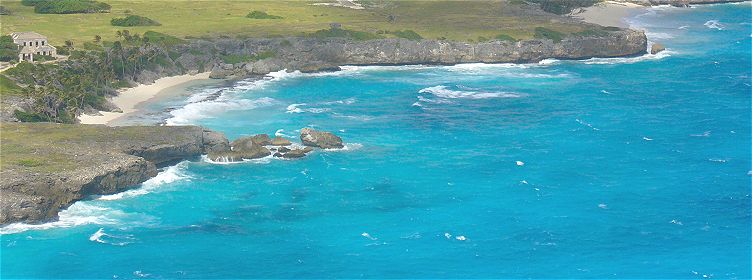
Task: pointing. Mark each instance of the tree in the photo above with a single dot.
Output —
(97, 38)
(8, 49)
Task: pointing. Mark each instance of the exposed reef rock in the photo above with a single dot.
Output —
(279, 141)
(321, 139)
(297, 153)
(656, 48)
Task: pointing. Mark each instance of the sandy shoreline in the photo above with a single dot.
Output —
(128, 99)
(609, 13)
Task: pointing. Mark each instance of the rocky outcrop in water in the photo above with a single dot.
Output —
(656, 48)
(279, 141)
(321, 139)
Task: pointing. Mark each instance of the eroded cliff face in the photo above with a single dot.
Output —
(313, 54)
(40, 179)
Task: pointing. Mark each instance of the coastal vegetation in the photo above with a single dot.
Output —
(67, 6)
(545, 33)
(240, 58)
(60, 91)
(450, 20)
(505, 37)
(261, 15)
(407, 34)
(344, 33)
(134, 20)
(562, 7)
(8, 49)
(8, 86)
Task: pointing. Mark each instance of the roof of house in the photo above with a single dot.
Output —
(27, 36)
(33, 49)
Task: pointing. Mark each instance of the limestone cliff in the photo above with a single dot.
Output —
(40, 179)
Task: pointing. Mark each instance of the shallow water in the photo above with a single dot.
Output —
(626, 167)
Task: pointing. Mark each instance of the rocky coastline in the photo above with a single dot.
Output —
(40, 180)
(313, 55)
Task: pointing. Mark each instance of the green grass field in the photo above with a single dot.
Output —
(454, 20)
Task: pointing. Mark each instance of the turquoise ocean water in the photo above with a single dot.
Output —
(627, 168)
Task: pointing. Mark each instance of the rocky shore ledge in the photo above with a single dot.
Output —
(47, 167)
(314, 54)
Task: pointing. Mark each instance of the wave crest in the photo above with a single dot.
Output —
(444, 92)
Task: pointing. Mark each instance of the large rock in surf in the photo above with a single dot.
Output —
(279, 141)
(297, 153)
(261, 139)
(656, 48)
(243, 148)
(215, 142)
(321, 139)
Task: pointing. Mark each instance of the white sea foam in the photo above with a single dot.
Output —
(97, 236)
(281, 133)
(444, 92)
(171, 174)
(714, 24)
(118, 240)
(228, 99)
(586, 124)
(195, 111)
(347, 147)
(630, 60)
(549, 61)
(223, 161)
(78, 214)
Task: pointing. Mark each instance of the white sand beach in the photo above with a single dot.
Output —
(608, 13)
(127, 99)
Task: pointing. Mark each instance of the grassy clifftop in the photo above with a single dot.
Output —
(49, 147)
(453, 20)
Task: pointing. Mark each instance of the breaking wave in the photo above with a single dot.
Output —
(714, 24)
(444, 92)
(105, 238)
(630, 60)
(82, 213)
(171, 174)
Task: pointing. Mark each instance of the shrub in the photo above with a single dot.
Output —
(4, 11)
(561, 7)
(407, 34)
(70, 7)
(8, 86)
(357, 35)
(162, 39)
(134, 20)
(8, 49)
(28, 117)
(261, 15)
(545, 33)
(240, 58)
(31, 2)
(611, 28)
(505, 37)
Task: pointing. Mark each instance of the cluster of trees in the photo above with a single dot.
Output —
(61, 91)
(561, 7)
(67, 6)
(134, 20)
(8, 49)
